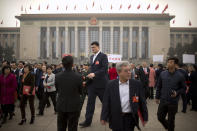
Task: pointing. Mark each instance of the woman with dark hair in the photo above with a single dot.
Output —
(8, 85)
(28, 93)
(49, 90)
(193, 88)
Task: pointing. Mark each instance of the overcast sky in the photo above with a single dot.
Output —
(184, 10)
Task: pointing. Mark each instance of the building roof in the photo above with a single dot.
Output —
(99, 16)
(183, 29)
(9, 29)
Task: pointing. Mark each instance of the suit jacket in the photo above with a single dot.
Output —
(38, 76)
(50, 82)
(144, 78)
(99, 67)
(111, 109)
(16, 73)
(68, 85)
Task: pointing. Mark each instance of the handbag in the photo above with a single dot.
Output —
(26, 90)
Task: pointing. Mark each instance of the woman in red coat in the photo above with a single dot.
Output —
(112, 72)
(8, 86)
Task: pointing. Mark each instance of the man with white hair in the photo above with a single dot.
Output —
(123, 101)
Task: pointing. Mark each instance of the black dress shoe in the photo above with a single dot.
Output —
(22, 122)
(32, 120)
(40, 114)
(84, 124)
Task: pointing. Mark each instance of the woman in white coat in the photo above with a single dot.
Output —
(49, 90)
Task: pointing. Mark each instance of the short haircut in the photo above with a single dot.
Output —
(13, 62)
(160, 65)
(45, 62)
(7, 62)
(67, 62)
(29, 66)
(49, 66)
(95, 43)
(176, 60)
(121, 64)
(113, 64)
(151, 65)
(22, 62)
(5, 67)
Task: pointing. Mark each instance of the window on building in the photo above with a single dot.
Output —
(116, 40)
(53, 50)
(43, 47)
(106, 40)
(81, 41)
(144, 42)
(172, 40)
(71, 31)
(125, 42)
(135, 39)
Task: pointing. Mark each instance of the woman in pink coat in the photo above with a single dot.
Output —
(152, 76)
(8, 86)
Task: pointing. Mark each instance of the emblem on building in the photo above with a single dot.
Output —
(93, 21)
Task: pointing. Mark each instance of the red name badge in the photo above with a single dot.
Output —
(135, 99)
(97, 62)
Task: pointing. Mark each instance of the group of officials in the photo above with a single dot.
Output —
(123, 99)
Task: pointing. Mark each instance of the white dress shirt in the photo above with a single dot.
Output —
(124, 97)
(95, 55)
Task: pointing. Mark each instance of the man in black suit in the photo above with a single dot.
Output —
(122, 100)
(68, 85)
(99, 76)
(144, 72)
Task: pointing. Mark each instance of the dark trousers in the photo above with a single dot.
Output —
(128, 123)
(46, 96)
(92, 93)
(67, 119)
(184, 99)
(7, 109)
(164, 109)
(39, 94)
(31, 104)
(151, 93)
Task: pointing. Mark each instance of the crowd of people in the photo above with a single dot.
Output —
(67, 85)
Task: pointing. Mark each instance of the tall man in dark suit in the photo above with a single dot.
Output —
(68, 85)
(122, 100)
(99, 76)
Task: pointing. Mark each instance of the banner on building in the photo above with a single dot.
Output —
(113, 58)
(158, 58)
(188, 59)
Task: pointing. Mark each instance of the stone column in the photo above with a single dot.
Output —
(140, 43)
(130, 41)
(100, 37)
(48, 40)
(111, 39)
(57, 41)
(76, 42)
(121, 40)
(87, 42)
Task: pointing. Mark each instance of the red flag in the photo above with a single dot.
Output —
(129, 6)
(173, 21)
(2, 22)
(47, 6)
(21, 8)
(148, 7)
(111, 7)
(75, 7)
(39, 7)
(138, 7)
(57, 7)
(190, 23)
(86, 7)
(120, 7)
(166, 7)
(30, 7)
(93, 4)
(66, 7)
(157, 7)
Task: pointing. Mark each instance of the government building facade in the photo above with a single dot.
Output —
(137, 37)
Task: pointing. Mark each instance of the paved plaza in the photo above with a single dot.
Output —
(48, 122)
